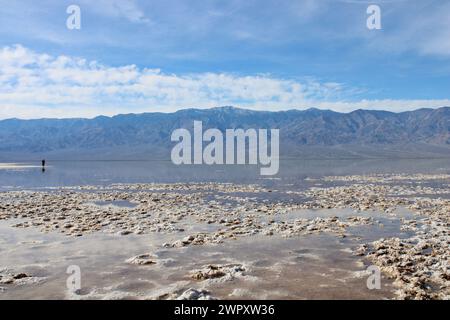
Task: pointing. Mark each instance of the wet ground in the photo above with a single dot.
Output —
(74, 214)
(306, 267)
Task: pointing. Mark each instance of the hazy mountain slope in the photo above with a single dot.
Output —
(426, 130)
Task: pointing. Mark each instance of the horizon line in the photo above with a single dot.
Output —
(222, 107)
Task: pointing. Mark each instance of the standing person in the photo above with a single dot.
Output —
(43, 163)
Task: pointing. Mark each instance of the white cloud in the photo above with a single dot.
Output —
(34, 85)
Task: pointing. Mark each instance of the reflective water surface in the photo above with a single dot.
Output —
(307, 267)
(70, 173)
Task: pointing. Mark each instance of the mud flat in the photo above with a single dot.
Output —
(213, 240)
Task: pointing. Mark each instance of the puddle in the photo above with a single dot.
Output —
(115, 203)
(304, 267)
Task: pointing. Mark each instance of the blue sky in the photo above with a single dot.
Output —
(138, 56)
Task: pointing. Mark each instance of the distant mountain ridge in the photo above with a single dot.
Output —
(427, 129)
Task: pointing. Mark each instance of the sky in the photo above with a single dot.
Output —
(133, 56)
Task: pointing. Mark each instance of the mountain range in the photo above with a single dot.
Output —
(307, 133)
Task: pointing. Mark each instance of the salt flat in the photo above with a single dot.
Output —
(226, 240)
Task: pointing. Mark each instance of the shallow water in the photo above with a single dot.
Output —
(115, 203)
(306, 267)
(292, 173)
